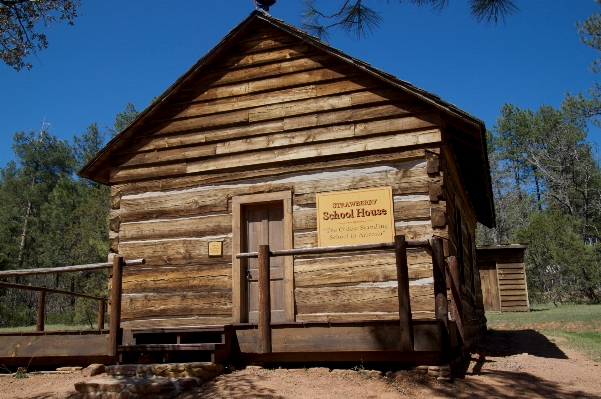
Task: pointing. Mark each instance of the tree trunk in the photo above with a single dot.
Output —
(23, 237)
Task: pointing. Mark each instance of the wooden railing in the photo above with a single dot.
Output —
(115, 300)
(400, 246)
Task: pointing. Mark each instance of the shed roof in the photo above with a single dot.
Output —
(478, 183)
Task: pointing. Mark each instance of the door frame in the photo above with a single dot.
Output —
(238, 280)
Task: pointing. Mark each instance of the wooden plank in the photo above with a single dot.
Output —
(188, 278)
(115, 304)
(359, 268)
(183, 251)
(294, 49)
(360, 299)
(269, 172)
(264, 300)
(296, 93)
(201, 226)
(220, 77)
(39, 325)
(509, 297)
(512, 276)
(146, 158)
(440, 286)
(364, 316)
(278, 155)
(173, 204)
(319, 75)
(507, 291)
(40, 346)
(404, 302)
(503, 266)
(202, 303)
(308, 338)
(193, 321)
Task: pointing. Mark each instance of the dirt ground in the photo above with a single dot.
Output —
(507, 364)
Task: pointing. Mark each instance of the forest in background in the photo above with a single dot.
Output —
(49, 217)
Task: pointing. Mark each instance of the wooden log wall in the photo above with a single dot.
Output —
(273, 114)
(462, 219)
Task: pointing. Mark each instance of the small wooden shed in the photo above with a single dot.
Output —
(244, 149)
(503, 277)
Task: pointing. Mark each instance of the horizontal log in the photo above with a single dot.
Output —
(67, 269)
(508, 297)
(506, 291)
(279, 155)
(178, 279)
(354, 299)
(352, 337)
(193, 321)
(202, 226)
(50, 290)
(319, 75)
(269, 172)
(41, 346)
(204, 303)
(510, 266)
(341, 317)
(334, 249)
(185, 251)
(241, 58)
(378, 267)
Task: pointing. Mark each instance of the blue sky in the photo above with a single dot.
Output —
(132, 50)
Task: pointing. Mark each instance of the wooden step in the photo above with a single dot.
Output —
(169, 347)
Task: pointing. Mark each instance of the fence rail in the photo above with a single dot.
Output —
(115, 300)
(400, 246)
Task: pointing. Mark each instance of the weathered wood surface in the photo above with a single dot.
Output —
(201, 226)
(363, 316)
(175, 251)
(189, 278)
(162, 184)
(72, 344)
(202, 303)
(187, 321)
(378, 267)
(361, 298)
(402, 275)
(309, 338)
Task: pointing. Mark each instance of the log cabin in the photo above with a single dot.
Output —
(276, 138)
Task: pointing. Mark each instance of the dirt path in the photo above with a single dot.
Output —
(508, 364)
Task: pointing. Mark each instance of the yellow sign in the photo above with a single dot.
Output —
(215, 248)
(355, 217)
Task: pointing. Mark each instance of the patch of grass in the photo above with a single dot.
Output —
(47, 327)
(579, 325)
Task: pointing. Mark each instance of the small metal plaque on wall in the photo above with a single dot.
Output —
(215, 248)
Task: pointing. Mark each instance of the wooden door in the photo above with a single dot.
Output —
(490, 286)
(264, 224)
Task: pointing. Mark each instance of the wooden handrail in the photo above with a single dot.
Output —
(67, 269)
(342, 248)
(51, 290)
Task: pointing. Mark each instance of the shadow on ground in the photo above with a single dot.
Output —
(514, 342)
(243, 386)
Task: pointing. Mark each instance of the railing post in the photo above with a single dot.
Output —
(101, 315)
(264, 300)
(41, 305)
(440, 282)
(400, 250)
(457, 309)
(115, 304)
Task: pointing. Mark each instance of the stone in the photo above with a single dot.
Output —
(422, 368)
(93, 369)
(86, 386)
(390, 374)
(433, 373)
(187, 383)
(401, 375)
(254, 367)
(444, 379)
(122, 370)
(444, 373)
(445, 367)
(160, 370)
(111, 385)
(433, 368)
(205, 370)
(149, 387)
